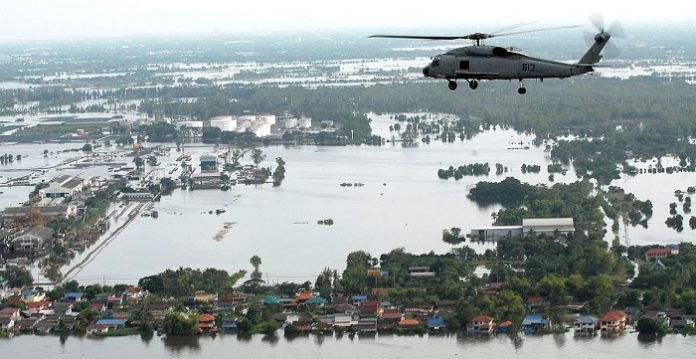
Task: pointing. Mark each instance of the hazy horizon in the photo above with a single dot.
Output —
(46, 20)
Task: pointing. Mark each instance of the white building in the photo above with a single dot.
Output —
(304, 122)
(269, 119)
(495, 233)
(548, 225)
(224, 123)
(261, 130)
(32, 239)
(290, 122)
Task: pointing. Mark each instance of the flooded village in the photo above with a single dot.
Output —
(241, 198)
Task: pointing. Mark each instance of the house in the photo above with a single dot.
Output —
(370, 309)
(46, 326)
(682, 323)
(317, 301)
(229, 325)
(586, 324)
(10, 312)
(202, 296)
(73, 296)
(535, 323)
(505, 327)
(7, 324)
(95, 328)
(481, 324)
(27, 325)
(537, 301)
(47, 212)
(206, 322)
(270, 300)
(304, 296)
(113, 323)
(366, 325)
(98, 307)
(343, 320)
(436, 323)
(613, 322)
(389, 320)
(302, 326)
(359, 298)
(660, 253)
(38, 307)
(32, 295)
(32, 239)
(492, 289)
(345, 308)
(159, 310)
(409, 323)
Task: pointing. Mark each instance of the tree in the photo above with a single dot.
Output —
(167, 185)
(139, 162)
(177, 324)
(323, 283)
(257, 156)
(649, 325)
(256, 275)
(87, 147)
(17, 276)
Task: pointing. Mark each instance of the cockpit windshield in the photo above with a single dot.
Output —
(436, 62)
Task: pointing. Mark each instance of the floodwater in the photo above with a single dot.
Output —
(402, 204)
(382, 346)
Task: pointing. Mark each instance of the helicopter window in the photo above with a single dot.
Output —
(436, 62)
(464, 65)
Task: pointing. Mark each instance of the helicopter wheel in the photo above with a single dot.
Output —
(521, 90)
(452, 85)
(473, 84)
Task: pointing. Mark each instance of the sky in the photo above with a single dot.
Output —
(23, 20)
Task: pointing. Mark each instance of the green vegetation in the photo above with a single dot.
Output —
(16, 276)
(185, 281)
(452, 236)
(648, 325)
(178, 324)
(279, 172)
(531, 168)
(476, 169)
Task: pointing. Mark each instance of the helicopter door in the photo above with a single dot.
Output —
(448, 66)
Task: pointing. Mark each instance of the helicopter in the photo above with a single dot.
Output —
(481, 62)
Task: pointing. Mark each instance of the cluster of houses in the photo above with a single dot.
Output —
(24, 235)
(30, 311)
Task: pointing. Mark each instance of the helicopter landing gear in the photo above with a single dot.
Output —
(522, 90)
(473, 84)
(452, 85)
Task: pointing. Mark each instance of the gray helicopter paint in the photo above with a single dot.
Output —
(496, 67)
(482, 62)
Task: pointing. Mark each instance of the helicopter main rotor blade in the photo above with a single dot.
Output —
(513, 27)
(419, 37)
(537, 30)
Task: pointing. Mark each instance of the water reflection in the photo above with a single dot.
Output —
(270, 339)
(244, 337)
(559, 340)
(649, 340)
(178, 344)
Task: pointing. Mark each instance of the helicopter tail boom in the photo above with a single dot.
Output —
(593, 54)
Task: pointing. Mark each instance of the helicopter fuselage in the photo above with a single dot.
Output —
(482, 62)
